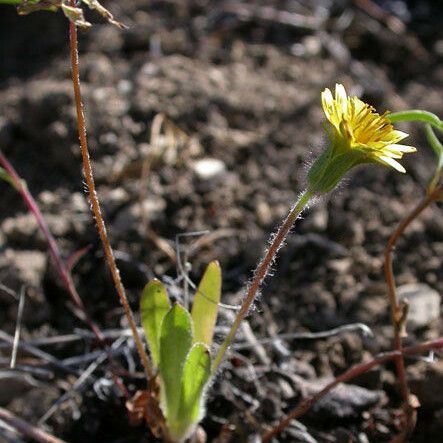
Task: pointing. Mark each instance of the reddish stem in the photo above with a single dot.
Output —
(52, 244)
(60, 266)
(397, 317)
(355, 371)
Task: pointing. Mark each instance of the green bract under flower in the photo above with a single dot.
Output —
(358, 135)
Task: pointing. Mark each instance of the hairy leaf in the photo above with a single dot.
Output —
(154, 305)
(196, 373)
(195, 376)
(175, 343)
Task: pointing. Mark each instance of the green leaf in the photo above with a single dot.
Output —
(154, 305)
(437, 147)
(195, 376)
(435, 143)
(175, 343)
(205, 307)
(196, 373)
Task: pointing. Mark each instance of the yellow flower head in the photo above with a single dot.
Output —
(358, 126)
(359, 135)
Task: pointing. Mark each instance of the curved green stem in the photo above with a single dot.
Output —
(260, 274)
(416, 115)
(438, 150)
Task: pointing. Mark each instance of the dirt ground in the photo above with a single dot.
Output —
(240, 85)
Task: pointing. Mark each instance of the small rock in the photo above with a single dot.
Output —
(209, 168)
(264, 213)
(125, 87)
(424, 303)
(341, 265)
(347, 401)
(309, 47)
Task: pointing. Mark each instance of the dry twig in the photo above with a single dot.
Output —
(351, 373)
(26, 429)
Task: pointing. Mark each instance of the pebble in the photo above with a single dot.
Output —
(310, 46)
(209, 168)
(424, 303)
(345, 401)
(264, 213)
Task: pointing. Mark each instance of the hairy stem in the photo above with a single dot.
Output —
(95, 205)
(261, 273)
(351, 373)
(438, 150)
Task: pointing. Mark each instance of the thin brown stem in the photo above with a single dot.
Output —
(398, 314)
(95, 205)
(26, 429)
(351, 373)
